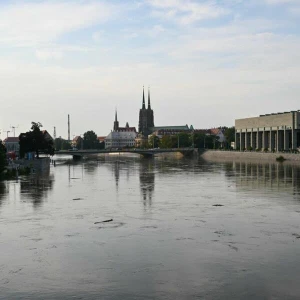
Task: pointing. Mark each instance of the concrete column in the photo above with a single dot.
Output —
(285, 135)
(294, 134)
(271, 146)
(240, 140)
(257, 138)
(277, 140)
(235, 139)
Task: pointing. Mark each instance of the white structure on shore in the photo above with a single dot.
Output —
(121, 136)
(120, 139)
(275, 132)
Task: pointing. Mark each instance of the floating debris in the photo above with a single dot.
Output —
(76, 199)
(105, 221)
(218, 205)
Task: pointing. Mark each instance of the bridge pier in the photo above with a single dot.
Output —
(77, 157)
(147, 155)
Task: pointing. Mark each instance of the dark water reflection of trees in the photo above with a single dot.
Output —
(3, 191)
(35, 188)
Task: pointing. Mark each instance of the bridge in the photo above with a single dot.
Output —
(77, 154)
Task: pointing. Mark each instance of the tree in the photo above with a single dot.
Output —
(35, 141)
(185, 139)
(153, 141)
(90, 140)
(3, 160)
(229, 135)
(202, 140)
(61, 144)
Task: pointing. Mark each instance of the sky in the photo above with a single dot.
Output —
(207, 63)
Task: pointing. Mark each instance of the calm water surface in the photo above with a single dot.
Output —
(167, 240)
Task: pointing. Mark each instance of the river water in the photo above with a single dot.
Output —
(167, 239)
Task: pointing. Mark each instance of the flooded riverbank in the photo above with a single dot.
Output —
(180, 229)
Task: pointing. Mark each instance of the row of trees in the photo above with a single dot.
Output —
(89, 141)
(3, 160)
(199, 140)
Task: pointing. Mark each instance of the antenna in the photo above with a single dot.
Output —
(68, 128)
(14, 129)
(54, 132)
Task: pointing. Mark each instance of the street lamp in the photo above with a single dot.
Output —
(82, 141)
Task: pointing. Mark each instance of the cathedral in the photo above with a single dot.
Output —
(146, 117)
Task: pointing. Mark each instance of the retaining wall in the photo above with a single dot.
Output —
(236, 155)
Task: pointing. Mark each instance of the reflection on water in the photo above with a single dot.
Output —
(147, 181)
(35, 188)
(167, 239)
(3, 191)
(274, 177)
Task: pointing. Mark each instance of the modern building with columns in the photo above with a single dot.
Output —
(275, 132)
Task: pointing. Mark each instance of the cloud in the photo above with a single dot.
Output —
(48, 54)
(185, 11)
(282, 1)
(35, 23)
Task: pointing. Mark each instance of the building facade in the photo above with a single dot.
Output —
(146, 117)
(273, 132)
(12, 144)
(120, 139)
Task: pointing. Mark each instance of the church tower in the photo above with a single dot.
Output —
(116, 123)
(146, 117)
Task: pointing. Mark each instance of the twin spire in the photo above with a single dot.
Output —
(149, 105)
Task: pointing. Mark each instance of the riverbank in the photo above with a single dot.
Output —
(237, 155)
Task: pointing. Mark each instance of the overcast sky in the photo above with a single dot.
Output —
(206, 62)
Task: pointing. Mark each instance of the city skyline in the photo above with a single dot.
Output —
(206, 62)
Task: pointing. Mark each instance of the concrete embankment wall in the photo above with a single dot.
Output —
(236, 155)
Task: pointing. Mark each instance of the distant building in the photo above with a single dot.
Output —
(219, 132)
(48, 137)
(277, 131)
(117, 128)
(77, 142)
(101, 139)
(146, 117)
(160, 131)
(12, 144)
(120, 139)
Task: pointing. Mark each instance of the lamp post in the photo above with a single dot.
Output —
(81, 141)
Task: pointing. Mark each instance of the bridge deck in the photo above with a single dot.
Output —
(137, 151)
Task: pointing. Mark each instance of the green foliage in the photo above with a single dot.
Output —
(169, 141)
(185, 139)
(280, 158)
(229, 134)
(61, 144)
(35, 141)
(90, 140)
(201, 141)
(3, 160)
(153, 141)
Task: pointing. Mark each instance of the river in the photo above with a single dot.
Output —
(181, 229)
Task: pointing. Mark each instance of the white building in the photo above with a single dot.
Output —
(12, 144)
(120, 139)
